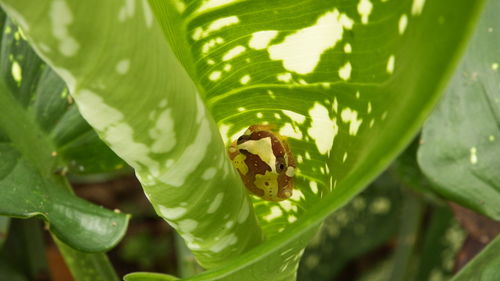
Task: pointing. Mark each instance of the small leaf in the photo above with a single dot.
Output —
(485, 266)
(26, 193)
(143, 276)
(460, 142)
(365, 223)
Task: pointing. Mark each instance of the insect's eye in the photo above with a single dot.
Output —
(280, 165)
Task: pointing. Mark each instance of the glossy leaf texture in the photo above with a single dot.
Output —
(349, 83)
(26, 193)
(483, 267)
(37, 128)
(45, 97)
(460, 142)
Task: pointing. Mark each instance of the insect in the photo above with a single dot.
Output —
(264, 162)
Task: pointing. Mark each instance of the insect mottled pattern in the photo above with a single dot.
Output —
(264, 162)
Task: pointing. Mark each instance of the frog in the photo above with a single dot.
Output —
(264, 161)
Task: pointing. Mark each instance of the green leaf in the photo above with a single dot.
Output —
(26, 193)
(46, 100)
(442, 240)
(28, 167)
(461, 139)
(149, 276)
(348, 83)
(484, 267)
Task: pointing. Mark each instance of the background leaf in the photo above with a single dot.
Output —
(23, 255)
(485, 266)
(26, 193)
(364, 224)
(35, 124)
(460, 141)
(46, 100)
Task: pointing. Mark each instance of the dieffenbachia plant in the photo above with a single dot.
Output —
(349, 84)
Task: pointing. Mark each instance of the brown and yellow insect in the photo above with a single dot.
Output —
(264, 162)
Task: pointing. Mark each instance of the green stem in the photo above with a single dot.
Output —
(411, 216)
(87, 266)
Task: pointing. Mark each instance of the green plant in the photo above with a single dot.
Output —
(169, 84)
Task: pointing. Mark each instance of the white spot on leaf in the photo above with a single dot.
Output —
(365, 9)
(172, 213)
(284, 77)
(61, 17)
(210, 4)
(314, 187)
(345, 71)
(215, 203)
(296, 117)
(347, 48)
(261, 39)
(316, 39)
(148, 14)
(245, 79)
(403, 22)
(417, 7)
(351, 116)
(209, 173)
(275, 213)
(187, 225)
(16, 72)
(323, 129)
(473, 155)
(122, 66)
(390, 64)
(163, 133)
(224, 242)
(289, 131)
(214, 76)
(244, 212)
(234, 52)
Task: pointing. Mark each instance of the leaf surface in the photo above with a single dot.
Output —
(461, 139)
(36, 125)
